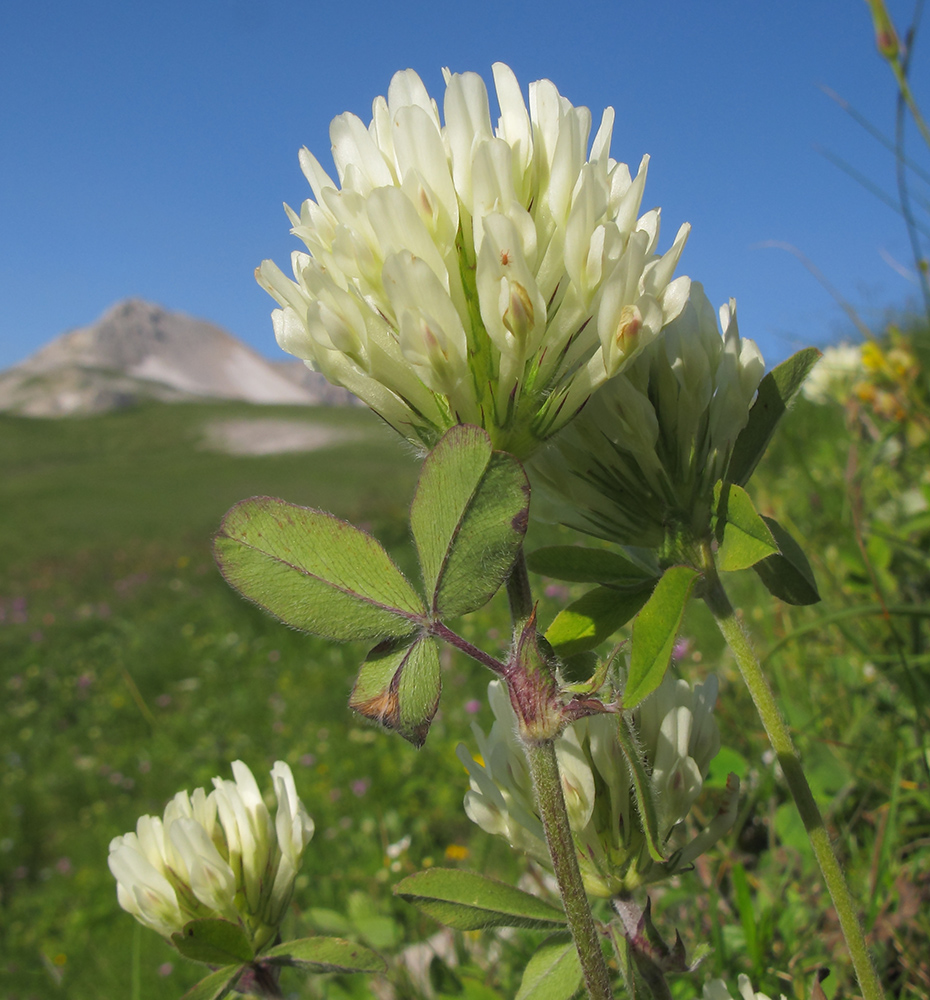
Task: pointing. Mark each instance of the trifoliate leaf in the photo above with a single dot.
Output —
(315, 572)
(553, 972)
(593, 618)
(398, 685)
(746, 537)
(775, 393)
(217, 985)
(654, 632)
(468, 518)
(325, 954)
(215, 941)
(788, 575)
(468, 901)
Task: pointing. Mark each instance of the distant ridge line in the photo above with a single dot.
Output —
(138, 350)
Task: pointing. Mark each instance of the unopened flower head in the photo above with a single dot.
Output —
(678, 737)
(217, 855)
(644, 456)
(460, 272)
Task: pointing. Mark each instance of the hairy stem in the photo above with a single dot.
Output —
(547, 784)
(790, 761)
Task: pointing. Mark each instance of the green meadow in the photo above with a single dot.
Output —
(129, 670)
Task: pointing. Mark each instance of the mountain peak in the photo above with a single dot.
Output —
(139, 349)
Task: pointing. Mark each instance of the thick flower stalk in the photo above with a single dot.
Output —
(217, 855)
(462, 273)
(640, 464)
(678, 738)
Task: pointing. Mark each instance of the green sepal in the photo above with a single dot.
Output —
(214, 941)
(325, 954)
(775, 393)
(593, 618)
(315, 572)
(398, 686)
(217, 985)
(468, 517)
(746, 537)
(655, 629)
(580, 564)
(468, 901)
(553, 972)
(787, 575)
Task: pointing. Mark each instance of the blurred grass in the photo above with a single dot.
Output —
(129, 670)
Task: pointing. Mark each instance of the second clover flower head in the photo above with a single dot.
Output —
(460, 272)
(678, 737)
(217, 855)
(641, 462)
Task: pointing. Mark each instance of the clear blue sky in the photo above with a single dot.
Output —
(146, 149)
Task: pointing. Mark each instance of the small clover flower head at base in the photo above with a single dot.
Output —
(678, 738)
(462, 272)
(216, 855)
(638, 466)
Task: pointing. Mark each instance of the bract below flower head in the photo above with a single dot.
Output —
(642, 460)
(678, 737)
(215, 855)
(464, 273)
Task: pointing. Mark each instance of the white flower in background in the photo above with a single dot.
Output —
(716, 989)
(460, 272)
(834, 374)
(215, 855)
(650, 446)
(678, 737)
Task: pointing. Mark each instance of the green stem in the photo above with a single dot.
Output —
(780, 738)
(547, 784)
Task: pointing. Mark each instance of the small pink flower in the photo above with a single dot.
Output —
(473, 706)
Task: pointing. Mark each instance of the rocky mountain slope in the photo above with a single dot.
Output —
(136, 351)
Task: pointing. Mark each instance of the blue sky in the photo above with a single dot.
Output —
(146, 149)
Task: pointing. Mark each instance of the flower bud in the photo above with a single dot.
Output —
(215, 856)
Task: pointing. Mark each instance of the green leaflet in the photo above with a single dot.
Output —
(325, 954)
(315, 572)
(468, 901)
(593, 618)
(788, 575)
(553, 972)
(398, 686)
(746, 536)
(585, 565)
(217, 985)
(654, 631)
(468, 518)
(775, 393)
(215, 941)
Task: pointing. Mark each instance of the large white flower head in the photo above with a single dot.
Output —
(644, 457)
(460, 272)
(678, 736)
(216, 855)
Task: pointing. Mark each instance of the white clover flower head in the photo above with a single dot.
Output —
(648, 449)
(678, 736)
(462, 272)
(834, 375)
(215, 855)
(716, 989)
